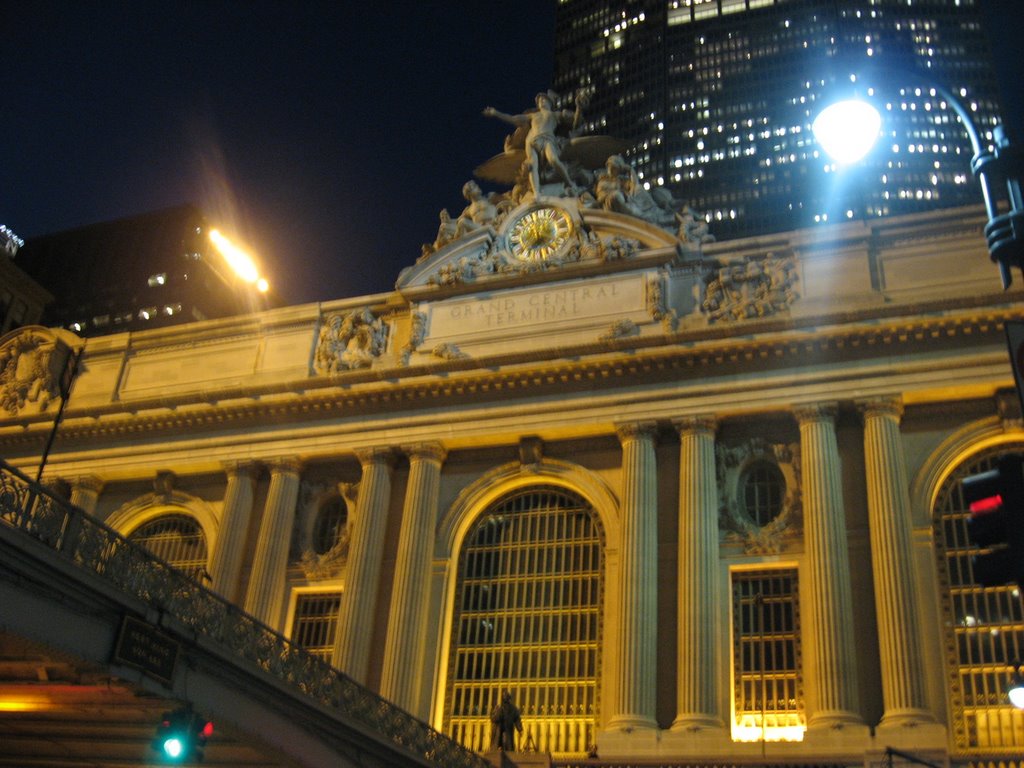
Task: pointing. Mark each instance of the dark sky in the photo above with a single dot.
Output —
(327, 135)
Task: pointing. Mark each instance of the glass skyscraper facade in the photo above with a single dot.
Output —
(717, 98)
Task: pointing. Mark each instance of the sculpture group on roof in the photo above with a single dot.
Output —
(546, 157)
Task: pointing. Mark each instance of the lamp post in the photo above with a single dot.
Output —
(998, 168)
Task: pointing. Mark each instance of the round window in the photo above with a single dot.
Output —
(330, 524)
(762, 489)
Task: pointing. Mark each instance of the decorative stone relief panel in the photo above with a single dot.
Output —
(31, 364)
(751, 287)
(350, 341)
(759, 493)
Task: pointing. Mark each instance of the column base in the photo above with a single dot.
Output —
(695, 723)
(912, 736)
(628, 736)
(839, 733)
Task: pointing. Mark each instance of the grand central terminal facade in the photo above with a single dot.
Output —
(685, 500)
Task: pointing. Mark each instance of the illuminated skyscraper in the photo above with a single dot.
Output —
(717, 98)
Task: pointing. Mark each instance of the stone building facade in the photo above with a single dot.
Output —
(685, 500)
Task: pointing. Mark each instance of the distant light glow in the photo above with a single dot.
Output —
(237, 259)
(847, 130)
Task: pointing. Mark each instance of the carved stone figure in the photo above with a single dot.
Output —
(541, 142)
(350, 341)
(619, 189)
(482, 210)
(692, 228)
(505, 722)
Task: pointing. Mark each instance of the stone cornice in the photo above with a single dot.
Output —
(589, 366)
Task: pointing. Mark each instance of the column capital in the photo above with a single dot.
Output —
(704, 423)
(808, 412)
(285, 466)
(886, 405)
(430, 451)
(376, 455)
(93, 483)
(238, 467)
(632, 430)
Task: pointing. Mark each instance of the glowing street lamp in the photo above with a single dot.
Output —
(1000, 165)
(240, 262)
(847, 130)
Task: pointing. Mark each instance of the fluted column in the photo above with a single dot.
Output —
(638, 567)
(697, 692)
(266, 586)
(362, 574)
(830, 599)
(226, 564)
(85, 492)
(407, 621)
(903, 688)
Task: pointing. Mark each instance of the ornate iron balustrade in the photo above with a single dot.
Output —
(92, 546)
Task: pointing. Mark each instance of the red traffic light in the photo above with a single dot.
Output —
(996, 501)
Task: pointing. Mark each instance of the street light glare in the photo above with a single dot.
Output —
(847, 130)
(236, 258)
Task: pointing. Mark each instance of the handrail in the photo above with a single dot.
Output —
(86, 542)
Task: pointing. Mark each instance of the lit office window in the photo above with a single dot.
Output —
(177, 539)
(984, 625)
(315, 621)
(527, 619)
(767, 688)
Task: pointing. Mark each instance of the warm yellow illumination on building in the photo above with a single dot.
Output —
(23, 704)
(748, 729)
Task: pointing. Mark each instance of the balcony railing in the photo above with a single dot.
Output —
(89, 544)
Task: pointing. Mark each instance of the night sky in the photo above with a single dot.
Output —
(326, 135)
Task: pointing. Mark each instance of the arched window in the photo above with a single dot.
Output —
(985, 626)
(178, 539)
(527, 619)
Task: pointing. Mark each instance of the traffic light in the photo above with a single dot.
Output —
(181, 735)
(996, 502)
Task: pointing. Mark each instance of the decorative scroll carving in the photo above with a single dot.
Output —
(417, 334)
(657, 305)
(732, 466)
(31, 364)
(350, 341)
(756, 286)
(621, 329)
(448, 351)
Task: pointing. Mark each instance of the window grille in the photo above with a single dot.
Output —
(984, 625)
(528, 619)
(315, 621)
(764, 489)
(767, 686)
(177, 539)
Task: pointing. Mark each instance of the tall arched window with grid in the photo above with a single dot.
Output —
(527, 619)
(985, 626)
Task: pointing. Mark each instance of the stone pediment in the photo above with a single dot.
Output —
(548, 238)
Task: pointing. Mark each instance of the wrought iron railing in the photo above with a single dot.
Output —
(92, 546)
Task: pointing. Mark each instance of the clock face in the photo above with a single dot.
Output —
(539, 233)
